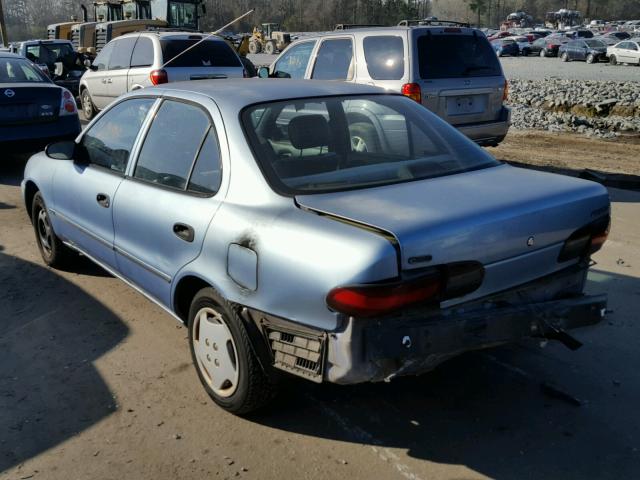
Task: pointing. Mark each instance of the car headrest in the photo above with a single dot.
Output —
(308, 131)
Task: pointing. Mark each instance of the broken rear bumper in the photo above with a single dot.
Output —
(384, 349)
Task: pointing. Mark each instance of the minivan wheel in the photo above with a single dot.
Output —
(543, 53)
(591, 58)
(88, 108)
(613, 60)
(223, 356)
(565, 57)
(53, 251)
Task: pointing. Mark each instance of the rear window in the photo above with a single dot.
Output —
(14, 70)
(595, 43)
(384, 56)
(452, 56)
(210, 53)
(327, 144)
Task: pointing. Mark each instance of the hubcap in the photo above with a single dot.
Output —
(86, 103)
(45, 231)
(215, 352)
(358, 144)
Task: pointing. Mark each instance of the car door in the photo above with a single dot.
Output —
(163, 208)
(581, 50)
(85, 188)
(334, 60)
(141, 61)
(96, 79)
(634, 52)
(622, 52)
(294, 61)
(119, 67)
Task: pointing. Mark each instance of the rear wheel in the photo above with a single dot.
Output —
(223, 356)
(613, 60)
(88, 108)
(543, 53)
(364, 138)
(591, 58)
(565, 57)
(270, 47)
(53, 251)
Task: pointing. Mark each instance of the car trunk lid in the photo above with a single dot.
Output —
(487, 215)
(28, 104)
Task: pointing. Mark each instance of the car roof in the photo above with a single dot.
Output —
(231, 96)
(177, 35)
(10, 55)
(387, 30)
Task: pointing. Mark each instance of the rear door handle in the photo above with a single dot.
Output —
(109, 80)
(184, 232)
(103, 200)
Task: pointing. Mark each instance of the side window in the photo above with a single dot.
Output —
(142, 53)
(384, 56)
(632, 46)
(293, 61)
(334, 60)
(170, 148)
(207, 172)
(33, 53)
(109, 141)
(121, 56)
(102, 60)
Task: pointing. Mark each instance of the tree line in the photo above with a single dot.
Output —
(29, 18)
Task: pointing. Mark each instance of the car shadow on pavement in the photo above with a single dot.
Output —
(488, 411)
(51, 332)
(12, 168)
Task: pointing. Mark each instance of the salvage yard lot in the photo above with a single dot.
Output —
(97, 381)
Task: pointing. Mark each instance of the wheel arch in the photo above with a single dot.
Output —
(30, 190)
(184, 293)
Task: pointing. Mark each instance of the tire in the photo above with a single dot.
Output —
(243, 386)
(270, 47)
(565, 57)
(543, 53)
(364, 137)
(613, 60)
(54, 253)
(591, 58)
(254, 47)
(88, 108)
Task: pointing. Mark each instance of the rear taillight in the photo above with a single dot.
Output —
(505, 92)
(586, 240)
(440, 283)
(412, 90)
(158, 77)
(67, 104)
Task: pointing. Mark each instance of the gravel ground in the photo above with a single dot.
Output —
(536, 68)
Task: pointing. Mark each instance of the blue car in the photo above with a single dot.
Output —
(33, 110)
(333, 231)
(505, 47)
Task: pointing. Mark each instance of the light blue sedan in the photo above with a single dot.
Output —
(332, 231)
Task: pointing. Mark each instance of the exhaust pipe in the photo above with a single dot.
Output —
(84, 13)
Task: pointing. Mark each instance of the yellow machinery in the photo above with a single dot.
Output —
(268, 38)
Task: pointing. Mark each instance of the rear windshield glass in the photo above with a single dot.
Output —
(595, 43)
(450, 56)
(14, 70)
(340, 143)
(209, 53)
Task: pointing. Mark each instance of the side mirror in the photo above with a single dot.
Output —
(61, 150)
(87, 63)
(263, 72)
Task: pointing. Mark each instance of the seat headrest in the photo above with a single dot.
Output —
(308, 131)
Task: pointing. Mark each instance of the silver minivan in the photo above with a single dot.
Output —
(451, 70)
(144, 59)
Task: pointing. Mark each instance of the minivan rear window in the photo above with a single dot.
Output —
(454, 56)
(209, 53)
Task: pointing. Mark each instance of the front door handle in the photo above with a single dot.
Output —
(109, 80)
(103, 200)
(184, 232)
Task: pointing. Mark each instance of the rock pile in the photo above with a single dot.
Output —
(593, 108)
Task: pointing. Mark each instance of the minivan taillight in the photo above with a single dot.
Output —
(505, 92)
(158, 77)
(412, 90)
(438, 284)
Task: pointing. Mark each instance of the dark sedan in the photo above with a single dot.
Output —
(590, 51)
(547, 46)
(506, 46)
(33, 110)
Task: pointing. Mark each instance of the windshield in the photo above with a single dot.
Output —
(183, 15)
(451, 56)
(15, 70)
(210, 53)
(339, 143)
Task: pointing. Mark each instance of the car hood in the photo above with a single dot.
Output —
(485, 215)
